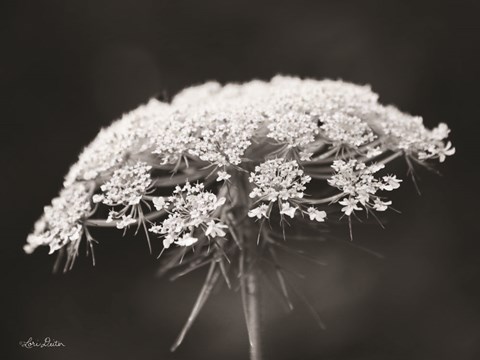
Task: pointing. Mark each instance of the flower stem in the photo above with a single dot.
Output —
(103, 223)
(249, 269)
(253, 306)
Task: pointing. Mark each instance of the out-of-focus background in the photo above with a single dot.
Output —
(69, 67)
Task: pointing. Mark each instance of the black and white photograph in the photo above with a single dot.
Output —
(240, 180)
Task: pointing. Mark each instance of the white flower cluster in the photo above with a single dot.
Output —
(121, 218)
(223, 142)
(294, 129)
(359, 186)
(408, 133)
(287, 130)
(126, 186)
(190, 208)
(343, 129)
(210, 135)
(61, 223)
(128, 136)
(280, 181)
(228, 128)
(218, 132)
(218, 124)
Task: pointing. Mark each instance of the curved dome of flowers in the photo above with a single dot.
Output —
(218, 124)
(257, 127)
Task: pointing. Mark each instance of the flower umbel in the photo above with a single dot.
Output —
(126, 186)
(213, 171)
(359, 186)
(278, 179)
(191, 212)
(61, 225)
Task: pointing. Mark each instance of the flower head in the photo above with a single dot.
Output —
(191, 209)
(223, 176)
(278, 179)
(268, 125)
(159, 202)
(380, 205)
(140, 166)
(215, 229)
(344, 129)
(287, 209)
(349, 205)
(259, 212)
(390, 183)
(186, 240)
(407, 133)
(293, 129)
(315, 214)
(126, 186)
(359, 186)
(125, 222)
(113, 145)
(61, 223)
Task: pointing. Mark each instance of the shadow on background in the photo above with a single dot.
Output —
(69, 67)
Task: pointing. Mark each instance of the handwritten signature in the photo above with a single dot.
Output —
(45, 343)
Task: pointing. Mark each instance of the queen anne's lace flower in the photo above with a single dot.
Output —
(359, 186)
(223, 141)
(315, 214)
(61, 223)
(130, 135)
(390, 183)
(380, 205)
(232, 128)
(288, 130)
(159, 202)
(123, 221)
(343, 129)
(259, 212)
(218, 134)
(223, 176)
(293, 129)
(349, 205)
(185, 240)
(217, 124)
(176, 140)
(287, 209)
(190, 209)
(278, 179)
(436, 150)
(126, 186)
(407, 133)
(373, 152)
(215, 229)
(37, 237)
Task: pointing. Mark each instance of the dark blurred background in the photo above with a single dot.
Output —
(69, 67)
